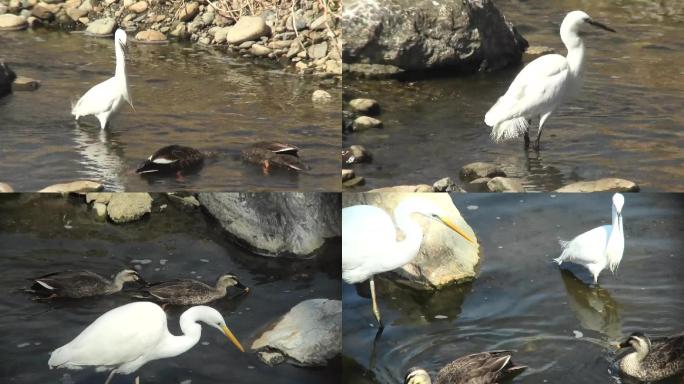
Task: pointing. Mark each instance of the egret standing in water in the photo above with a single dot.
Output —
(369, 240)
(543, 85)
(106, 98)
(600, 247)
(127, 337)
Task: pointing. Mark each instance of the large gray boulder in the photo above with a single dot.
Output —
(466, 35)
(444, 257)
(309, 335)
(273, 224)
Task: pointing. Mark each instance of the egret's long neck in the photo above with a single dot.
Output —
(120, 73)
(616, 242)
(175, 345)
(575, 45)
(408, 248)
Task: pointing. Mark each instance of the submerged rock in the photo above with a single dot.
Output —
(277, 224)
(354, 181)
(368, 107)
(356, 154)
(366, 122)
(430, 34)
(610, 184)
(347, 174)
(309, 335)
(79, 186)
(127, 207)
(445, 257)
(505, 184)
(321, 96)
(150, 37)
(22, 83)
(479, 170)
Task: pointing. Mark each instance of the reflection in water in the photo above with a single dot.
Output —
(101, 155)
(593, 306)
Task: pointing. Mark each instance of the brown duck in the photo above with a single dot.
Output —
(269, 154)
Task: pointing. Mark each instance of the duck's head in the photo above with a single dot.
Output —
(230, 280)
(575, 20)
(128, 275)
(432, 211)
(417, 375)
(637, 340)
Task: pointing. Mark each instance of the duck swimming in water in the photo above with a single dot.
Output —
(79, 284)
(652, 360)
(192, 292)
(479, 368)
(173, 159)
(269, 154)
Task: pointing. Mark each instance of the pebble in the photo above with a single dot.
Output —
(259, 50)
(139, 7)
(356, 154)
(366, 122)
(348, 174)
(321, 96)
(189, 12)
(318, 51)
(478, 170)
(354, 182)
(505, 184)
(141, 261)
(446, 185)
(101, 27)
(247, 28)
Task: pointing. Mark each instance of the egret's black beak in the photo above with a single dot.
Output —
(599, 25)
(124, 47)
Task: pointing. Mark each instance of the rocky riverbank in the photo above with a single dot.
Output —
(303, 34)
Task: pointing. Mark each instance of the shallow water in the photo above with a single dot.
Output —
(523, 301)
(42, 235)
(183, 94)
(628, 121)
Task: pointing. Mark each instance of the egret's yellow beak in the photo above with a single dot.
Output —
(232, 337)
(456, 229)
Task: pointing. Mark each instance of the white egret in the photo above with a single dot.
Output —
(542, 85)
(78, 284)
(600, 247)
(479, 368)
(125, 338)
(652, 360)
(105, 99)
(192, 292)
(369, 239)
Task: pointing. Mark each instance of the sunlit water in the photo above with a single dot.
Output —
(628, 121)
(560, 326)
(42, 235)
(188, 95)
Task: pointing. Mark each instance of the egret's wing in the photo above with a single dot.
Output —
(118, 336)
(587, 247)
(539, 84)
(98, 99)
(366, 233)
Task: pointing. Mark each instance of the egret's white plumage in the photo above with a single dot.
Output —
(599, 248)
(106, 98)
(543, 85)
(127, 337)
(369, 239)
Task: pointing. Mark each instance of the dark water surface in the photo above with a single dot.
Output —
(47, 234)
(560, 326)
(628, 121)
(183, 94)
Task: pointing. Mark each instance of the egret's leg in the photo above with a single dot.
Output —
(137, 378)
(376, 310)
(542, 119)
(527, 134)
(109, 378)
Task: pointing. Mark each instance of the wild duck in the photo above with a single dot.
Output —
(172, 159)
(269, 154)
(479, 368)
(78, 284)
(652, 360)
(191, 292)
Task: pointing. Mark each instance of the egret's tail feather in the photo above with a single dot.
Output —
(509, 129)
